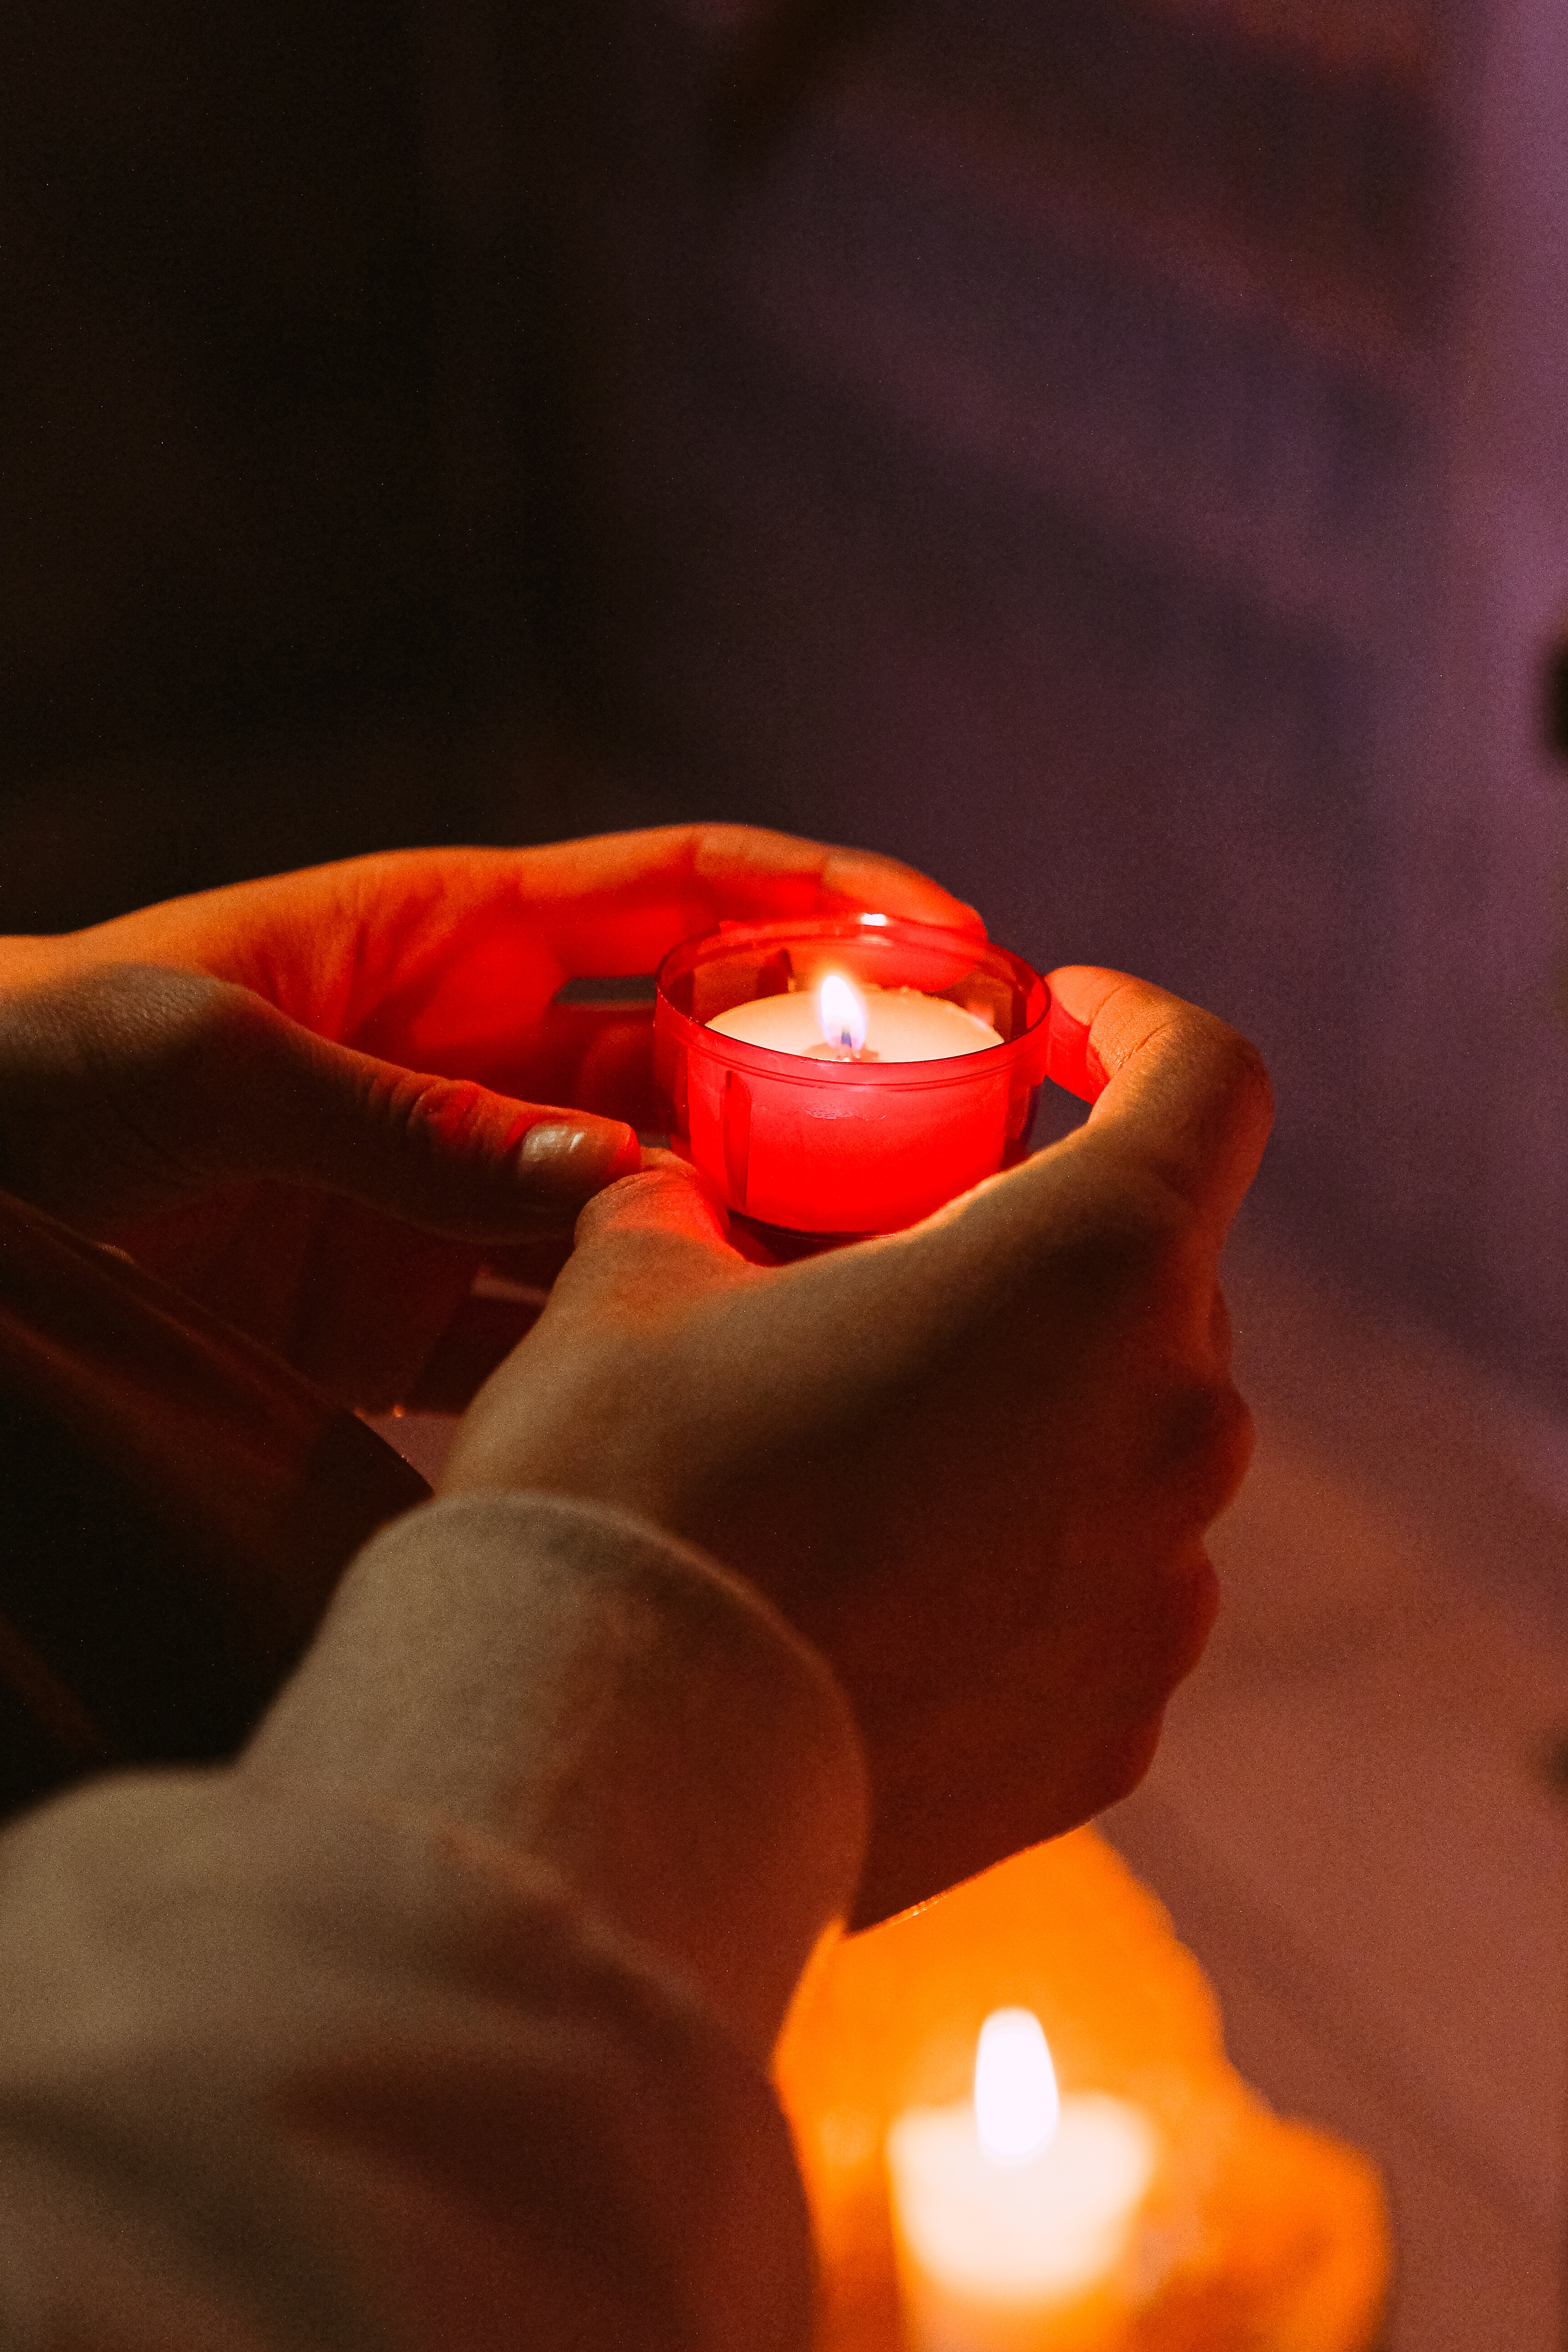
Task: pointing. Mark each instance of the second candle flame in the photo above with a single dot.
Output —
(841, 1010)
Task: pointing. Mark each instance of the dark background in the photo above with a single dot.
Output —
(1105, 454)
(257, 605)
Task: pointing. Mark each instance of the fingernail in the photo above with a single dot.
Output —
(568, 1162)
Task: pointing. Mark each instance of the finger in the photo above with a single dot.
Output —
(444, 1153)
(202, 1084)
(645, 891)
(647, 1241)
(334, 944)
(1172, 1086)
(646, 1246)
(620, 902)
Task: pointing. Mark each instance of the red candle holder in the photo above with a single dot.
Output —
(844, 1147)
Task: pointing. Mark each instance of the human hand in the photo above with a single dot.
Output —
(316, 1102)
(973, 1462)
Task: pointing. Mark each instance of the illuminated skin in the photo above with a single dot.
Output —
(318, 1102)
(972, 1463)
(542, 1762)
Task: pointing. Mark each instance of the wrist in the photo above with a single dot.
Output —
(613, 1704)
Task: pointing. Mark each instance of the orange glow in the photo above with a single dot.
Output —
(1274, 2234)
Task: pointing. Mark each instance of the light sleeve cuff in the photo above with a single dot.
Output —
(610, 1702)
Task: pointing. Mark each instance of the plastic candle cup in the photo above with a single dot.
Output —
(806, 1120)
(1015, 2214)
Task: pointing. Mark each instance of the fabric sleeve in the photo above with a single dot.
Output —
(440, 2021)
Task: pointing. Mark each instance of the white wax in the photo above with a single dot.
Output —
(992, 2254)
(901, 1025)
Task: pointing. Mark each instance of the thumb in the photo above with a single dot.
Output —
(135, 1088)
(556, 1414)
(647, 1244)
(1173, 1090)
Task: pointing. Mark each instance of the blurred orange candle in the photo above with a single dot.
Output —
(1252, 2233)
(1015, 2210)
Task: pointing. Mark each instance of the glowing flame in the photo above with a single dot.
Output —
(842, 1013)
(1016, 2101)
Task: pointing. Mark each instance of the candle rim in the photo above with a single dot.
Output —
(886, 933)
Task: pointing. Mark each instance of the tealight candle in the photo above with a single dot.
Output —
(850, 1073)
(1015, 2212)
(839, 1022)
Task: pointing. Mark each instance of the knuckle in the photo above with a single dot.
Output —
(1127, 1766)
(179, 1017)
(422, 1110)
(165, 1058)
(1212, 1443)
(190, 1075)
(228, 1026)
(153, 1027)
(120, 1003)
(1178, 1603)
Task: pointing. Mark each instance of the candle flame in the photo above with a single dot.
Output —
(1016, 2098)
(841, 1010)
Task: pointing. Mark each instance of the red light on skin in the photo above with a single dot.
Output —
(845, 1139)
(1071, 1061)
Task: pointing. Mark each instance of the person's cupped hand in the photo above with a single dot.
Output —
(973, 1462)
(317, 1103)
